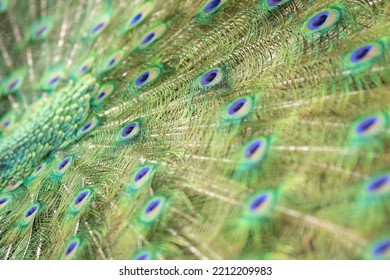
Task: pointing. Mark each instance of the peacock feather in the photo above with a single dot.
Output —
(195, 129)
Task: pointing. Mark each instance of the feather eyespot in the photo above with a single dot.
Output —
(142, 256)
(71, 248)
(259, 205)
(103, 93)
(254, 152)
(81, 199)
(4, 200)
(84, 67)
(40, 29)
(238, 109)
(147, 77)
(112, 61)
(129, 132)
(87, 127)
(322, 21)
(139, 15)
(13, 82)
(364, 56)
(64, 165)
(153, 209)
(211, 78)
(379, 185)
(99, 25)
(141, 177)
(213, 5)
(153, 35)
(38, 170)
(51, 80)
(273, 4)
(13, 186)
(6, 123)
(382, 250)
(30, 214)
(368, 128)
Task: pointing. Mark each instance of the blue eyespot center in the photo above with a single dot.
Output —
(382, 248)
(6, 123)
(64, 163)
(71, 247)
(98, 27)
(152, 205)
(136, 19)
(83, 69)
(142, 78)
(236, 106)
(31, 211)
(87, 126)
(274, 2)
(141, 173)
(366, 124)
(360, 53)
(148, 38)
(100, 96)
(258, 201)
(318, 20)
(253, 148)
(3, 200)
(212, 5)
(81, 197)
(53, 81)
(13, 84)
(128, 129)
(41, 30)
(38, 168)
(209, 77)
(111, 62)
(142, 257)
(378, 183)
